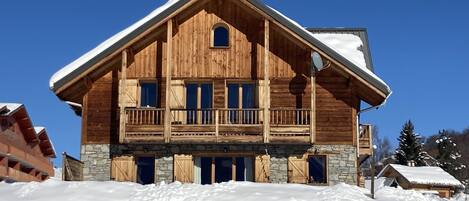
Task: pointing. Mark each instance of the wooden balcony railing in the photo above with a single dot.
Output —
(366, 139)
(218, 125)
(17, 175)
(27, 158)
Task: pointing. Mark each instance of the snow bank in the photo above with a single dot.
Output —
(232, 191)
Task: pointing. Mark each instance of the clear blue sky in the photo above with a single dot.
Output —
(420, 48)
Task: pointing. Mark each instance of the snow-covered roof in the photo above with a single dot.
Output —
(9, 108)
(38, 129)
(426, 175)
(335, 46)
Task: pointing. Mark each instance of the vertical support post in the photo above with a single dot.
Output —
(122, 92)
(266, 81)
(313, 107)
(217, 124)
(167, 113)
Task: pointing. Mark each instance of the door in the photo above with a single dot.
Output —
(183, 168)
(241, 96)
(262, 169)
(199, 102)
(123, 169)
(297, 170)
(146, 170)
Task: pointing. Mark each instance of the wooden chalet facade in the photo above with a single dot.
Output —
(25, 151)
(208, 91)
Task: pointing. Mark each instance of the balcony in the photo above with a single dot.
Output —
(366, 140)
(17, 175)
(26, 157)
(217, 126)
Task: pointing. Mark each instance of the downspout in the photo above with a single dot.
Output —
(358, 121)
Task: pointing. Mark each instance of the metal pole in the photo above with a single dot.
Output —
(372, 176)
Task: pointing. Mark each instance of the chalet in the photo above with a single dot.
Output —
(207, 91)
(25, 151)
(428, 179)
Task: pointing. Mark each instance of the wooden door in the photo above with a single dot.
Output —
(183, 168)
(123, 169)
(262, 169)
(297, 170)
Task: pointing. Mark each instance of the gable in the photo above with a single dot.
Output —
(85, 64)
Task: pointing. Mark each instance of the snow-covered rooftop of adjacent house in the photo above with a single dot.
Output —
(10, 108)
(54, 189)
(428, 175)
(38, 129)
(347, 45)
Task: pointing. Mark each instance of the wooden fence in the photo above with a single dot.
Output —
(72, 168)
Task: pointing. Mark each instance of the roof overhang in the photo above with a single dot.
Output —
(89, 61)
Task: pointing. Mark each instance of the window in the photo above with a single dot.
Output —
(242, 96)
(317, 169)
(222, 169)
(199, 97)
(146, 170)
(220, 36)
(148, 94)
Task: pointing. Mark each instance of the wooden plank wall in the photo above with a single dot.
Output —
(100, 113)
(194, 59)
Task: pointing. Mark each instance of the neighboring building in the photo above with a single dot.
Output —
(427, 179)
(242, 101)
(25, 150)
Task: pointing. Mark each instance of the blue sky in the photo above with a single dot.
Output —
(420, 48)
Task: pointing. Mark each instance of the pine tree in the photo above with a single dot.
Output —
(410, 146)
(448, 154)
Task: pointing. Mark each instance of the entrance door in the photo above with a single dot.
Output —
(146, 170)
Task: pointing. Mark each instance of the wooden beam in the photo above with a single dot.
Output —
(266, 81)
(313, 107)
(167, 116)
(122, 89)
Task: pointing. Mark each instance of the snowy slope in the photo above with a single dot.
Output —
(233, 191)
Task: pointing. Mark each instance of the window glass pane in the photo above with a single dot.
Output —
(206, 103)
(206, 170)
(240, 169)
(220, 37)
(148, 95)
(223, 169)
(317, 169)
(249, 100)
(233, 101)
(146, 170)
(191, 103)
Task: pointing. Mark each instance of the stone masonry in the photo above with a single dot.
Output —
(97, 162)
(341, 159)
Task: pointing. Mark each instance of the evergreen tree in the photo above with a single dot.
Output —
(448, 154)
(410, 146)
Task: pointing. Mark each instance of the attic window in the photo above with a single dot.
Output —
(220, 36)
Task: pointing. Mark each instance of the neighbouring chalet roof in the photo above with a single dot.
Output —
(341, 47)
(427, 175)
(45, 143)
(30, 133)
(7, 109)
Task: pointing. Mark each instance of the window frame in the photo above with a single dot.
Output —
(240, 92)
(212, 35)
(139, 93)
(326, 169)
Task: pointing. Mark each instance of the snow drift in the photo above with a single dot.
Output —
(246, 191)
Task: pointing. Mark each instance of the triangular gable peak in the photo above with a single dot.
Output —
(45, 143)
(94, 59)
(18, 112)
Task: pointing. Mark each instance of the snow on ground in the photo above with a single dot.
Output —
(53, 189)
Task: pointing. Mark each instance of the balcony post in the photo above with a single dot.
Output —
(167, 113)
(266, 81)
(122, 96)
(313, 107)
(217, 124)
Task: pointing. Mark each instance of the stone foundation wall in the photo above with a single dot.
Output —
(341, 158)
(96, 162)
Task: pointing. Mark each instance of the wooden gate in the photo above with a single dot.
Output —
(72, 168)
(262, 169)
(123, 169)
(183, 168)
(297, 170)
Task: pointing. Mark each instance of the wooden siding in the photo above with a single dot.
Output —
(194, 59)
(100, 115)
